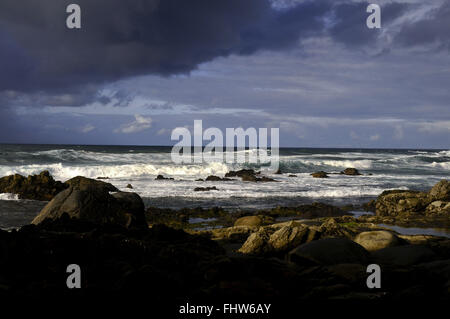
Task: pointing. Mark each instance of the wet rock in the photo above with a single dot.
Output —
(329, 251)
(351, 172)
(376, 240)
(253, 221)
(253, 178)
(249, 175)
(320, 174)
(240, 173)
(213, 178)
(130, 186)
(205, 189)
(97, 206)
(292, 175)
(37, 187)
(161, 178)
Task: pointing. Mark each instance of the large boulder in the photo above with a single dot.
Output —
(329, 251)
(95, 205)
(37, 187)
(84, 183)
(376, 240)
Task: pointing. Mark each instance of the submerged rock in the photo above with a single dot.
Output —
(37, 187)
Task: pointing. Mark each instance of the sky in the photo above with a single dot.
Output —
(138, 69)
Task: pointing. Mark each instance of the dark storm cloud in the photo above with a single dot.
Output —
(434, 28)
(127, 38)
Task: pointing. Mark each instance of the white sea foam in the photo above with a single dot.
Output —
(64, 172)
(444, 165)
(9, 196)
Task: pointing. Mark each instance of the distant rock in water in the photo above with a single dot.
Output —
(161, 177)
(89, 201)
(320, 174)
(213, 178)
(102, 177)
(351, 172)
(240, 173)
(130, 186)
(37, 187)
(205, 189)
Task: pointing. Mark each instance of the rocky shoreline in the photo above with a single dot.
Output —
(309, 252)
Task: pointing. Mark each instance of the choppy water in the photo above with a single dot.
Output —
(390, 169)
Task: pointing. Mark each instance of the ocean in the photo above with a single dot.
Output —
(139, 165)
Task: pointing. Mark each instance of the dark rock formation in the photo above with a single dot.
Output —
(205, 189)
(407, 203)
(161, 177)
(351, 172)
(320, 174)
(240, 173)
(213, 178)
(37, 187)
(92, 202)
(130, 186)
(84, 184)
